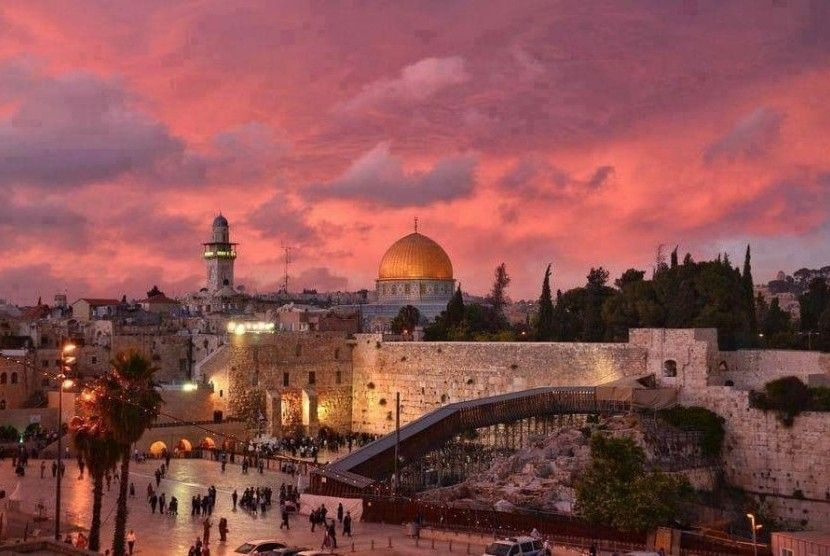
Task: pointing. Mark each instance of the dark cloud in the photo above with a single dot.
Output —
(75, 129)
(751, 138)
(281, 222)
(378, 177)
(531, 177)
(46, 222)
(601, 177)
(139, 226)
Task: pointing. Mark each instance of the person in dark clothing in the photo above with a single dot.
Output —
(234, 497)
(347, 524)
(340, 512)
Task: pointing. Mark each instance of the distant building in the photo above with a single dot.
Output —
(88, 308)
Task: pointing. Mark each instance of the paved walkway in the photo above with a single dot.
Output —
(173, 535)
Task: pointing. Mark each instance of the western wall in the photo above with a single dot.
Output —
(357, 379)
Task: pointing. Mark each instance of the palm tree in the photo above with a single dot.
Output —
(130, 406)
(100, 451)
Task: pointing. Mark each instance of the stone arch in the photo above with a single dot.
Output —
(184, 445)
(670, 368)
(157, 448)
(207, 443)
(14, 378)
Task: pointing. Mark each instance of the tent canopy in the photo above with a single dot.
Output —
(639, 391)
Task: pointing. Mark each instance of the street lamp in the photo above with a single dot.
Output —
(754, 531)
(67, 362)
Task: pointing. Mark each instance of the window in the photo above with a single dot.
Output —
(14, 378)
(58, 363)
(2, 404)
(312, 377)
(285, 379)
(338, 377)
(94, 359)
(337, 353)
(670, 368)
(3, 378)
(298, 350)
(786, 552)
(45, 363)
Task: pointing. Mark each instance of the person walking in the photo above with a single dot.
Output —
(347, 524)
(332, 534)
(223, 529)
(206, 525)
(285, 518)
(234, 497)
(340, 512)
(131, 537)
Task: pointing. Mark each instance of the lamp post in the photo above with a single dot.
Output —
(67, 361)
(754, 529)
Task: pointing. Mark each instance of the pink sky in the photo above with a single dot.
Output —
(526, 131)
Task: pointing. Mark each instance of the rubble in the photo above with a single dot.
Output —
(542, 476)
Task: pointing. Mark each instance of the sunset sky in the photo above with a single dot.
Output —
(577, 132)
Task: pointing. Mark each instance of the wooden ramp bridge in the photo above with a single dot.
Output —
(360, 471)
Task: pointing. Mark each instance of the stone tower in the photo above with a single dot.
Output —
(219, 256)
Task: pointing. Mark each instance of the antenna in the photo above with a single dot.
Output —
(287, 251)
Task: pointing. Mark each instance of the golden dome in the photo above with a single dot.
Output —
(415, 257)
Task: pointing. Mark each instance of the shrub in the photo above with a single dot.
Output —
(697, 418)
(787, 396)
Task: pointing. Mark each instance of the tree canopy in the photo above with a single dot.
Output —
(618, 491)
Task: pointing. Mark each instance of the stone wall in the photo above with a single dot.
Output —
(300, 378)
(431, 374)
(172, 354)
(752, 369)
(784, 467)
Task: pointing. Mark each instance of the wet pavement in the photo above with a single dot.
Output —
(164, 534)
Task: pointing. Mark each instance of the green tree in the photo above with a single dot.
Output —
(406, 320)
(128, 403)
(787, 397)
(455, 308)
(776, 325)
(544, 320)
(497, 299)
(596, 293)
(100, 452)
(813, 303)
(617, 490)
(749, 293)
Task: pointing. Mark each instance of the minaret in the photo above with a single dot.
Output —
(219, 256)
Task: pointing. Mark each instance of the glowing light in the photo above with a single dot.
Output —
(68, 383)
(190, 387)
(240, 328)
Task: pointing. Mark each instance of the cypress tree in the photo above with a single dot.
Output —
(749, 293)
(544, 325)
(455, 308)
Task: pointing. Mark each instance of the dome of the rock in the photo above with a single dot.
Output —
(415, 257)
